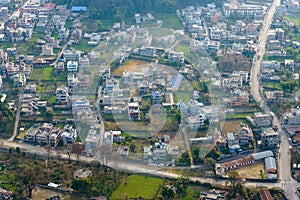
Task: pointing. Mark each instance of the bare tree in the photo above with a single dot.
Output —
(77, 149)
(104, 153)
(48, 151)
(68, 148)
(115, 161)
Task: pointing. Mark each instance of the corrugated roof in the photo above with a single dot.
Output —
(270, 163)
(79, 8)
(262, 155)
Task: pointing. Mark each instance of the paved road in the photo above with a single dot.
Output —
(286, 181)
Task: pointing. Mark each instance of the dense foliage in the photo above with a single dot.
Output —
(6, 120)
(123, 9)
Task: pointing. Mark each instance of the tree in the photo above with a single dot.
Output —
(48, 151)
(235, 182)
(77, 148)
(104, 153)
(68, 148)
(167, 192)
(29, 177)
(115, 160)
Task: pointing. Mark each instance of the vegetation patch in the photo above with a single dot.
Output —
(44, 74)
(137, 186)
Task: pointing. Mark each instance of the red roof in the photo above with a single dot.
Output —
(51, 6)
(265, 195)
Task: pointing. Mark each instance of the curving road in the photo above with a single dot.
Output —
(287, 183)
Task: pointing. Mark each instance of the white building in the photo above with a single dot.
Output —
(72, 66)
(92, 141)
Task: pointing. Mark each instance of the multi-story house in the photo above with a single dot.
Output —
(62, 95)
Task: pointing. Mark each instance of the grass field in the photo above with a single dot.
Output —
(252, 171)
(272, 85)
(138, 186)
(45, 73)
(183, 46)
(169, 20)
(83, 46)
(130, 65)
(294, 18)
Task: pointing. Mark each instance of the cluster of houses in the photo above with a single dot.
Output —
(47, 133)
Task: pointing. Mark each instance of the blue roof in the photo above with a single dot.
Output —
(175, 83)
(153, 93)
(79, 8)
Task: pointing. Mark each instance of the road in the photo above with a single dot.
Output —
(286, 181)
(17, 118)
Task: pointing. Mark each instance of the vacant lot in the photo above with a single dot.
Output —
(45, 73)
(138, 186)
(130, 65)
(40, 193)
(231, 126)
(252, 171)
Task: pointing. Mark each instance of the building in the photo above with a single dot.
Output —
(72, 55)
(195, 122)
(265, 195)
(233, 143)
(69, 134)
(92, 141)
(245, 134)
(269, 138)
(262, 120)
(63, 34)
(292, 118)
(212, 195)
(134, 110)
(156, 97)
(276, 95)
(72, 66)
(19, 80)
(62, 95)
(271, 168)
(47, 50)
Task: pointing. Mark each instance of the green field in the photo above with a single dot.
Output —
(169, 20)
(83, 46)
(45, 74)
(294, 18)
(138, 186)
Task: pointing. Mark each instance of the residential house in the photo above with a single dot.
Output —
(239, 98)
(134, 110)
(156, 98)
(63, 34)
(69, 134)
(92, 141)
(245, 134)
(19, 80)
(292, 118)
(289, 65)
(72, 55)
(269, 138)
(262, 120)
(62, 95)
(47, 51)
(72, 66)
(233, 143)
(195, 122)
(30, 88)
(276, 95)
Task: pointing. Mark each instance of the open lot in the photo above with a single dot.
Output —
(40, 193)
(231, 126)
(252, 171)
(138, 186)
(130, 65)
(45, 73)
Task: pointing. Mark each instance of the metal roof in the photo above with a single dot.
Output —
(270, 163)
(262, 155)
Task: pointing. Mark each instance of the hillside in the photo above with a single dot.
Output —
(124, 9)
